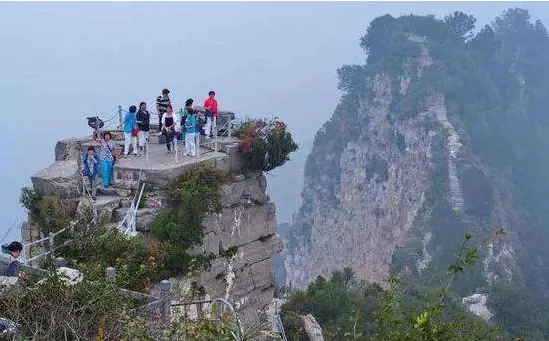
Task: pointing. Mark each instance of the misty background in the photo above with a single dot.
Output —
(61, 62)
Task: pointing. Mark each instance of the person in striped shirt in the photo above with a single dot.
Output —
(162, 103)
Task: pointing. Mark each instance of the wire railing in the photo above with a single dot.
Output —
(237, 332)
(48, 244)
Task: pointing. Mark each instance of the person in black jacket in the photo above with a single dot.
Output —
(143, 120)
(13, 249)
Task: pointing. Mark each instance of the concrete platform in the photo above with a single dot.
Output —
(160, 167)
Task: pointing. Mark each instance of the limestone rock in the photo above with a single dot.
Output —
(105, 205)
(69, 149)
(242, 225)
(312, 328)
(69, 275)
(477, 305)
(62, 179)
(249, 190)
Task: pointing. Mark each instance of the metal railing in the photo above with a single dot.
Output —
(237, 332)
(48, 243)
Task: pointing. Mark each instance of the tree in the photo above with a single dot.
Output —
(461, 24)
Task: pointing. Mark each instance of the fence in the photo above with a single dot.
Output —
(47, 243)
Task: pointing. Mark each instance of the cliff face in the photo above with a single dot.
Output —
(413, 157)
(245, 226)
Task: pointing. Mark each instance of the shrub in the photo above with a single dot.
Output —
(48, 212)
(266, 144)
(53, 310)
(195, 193)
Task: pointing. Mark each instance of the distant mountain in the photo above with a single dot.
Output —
(442, 132)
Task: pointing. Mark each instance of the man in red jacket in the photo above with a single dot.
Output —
(211, 115)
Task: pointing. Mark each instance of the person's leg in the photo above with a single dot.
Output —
(188, 138)
(159, 122)
(193, 144)
(134, 144)
(105, 173)
(208, 127)
(127, 138)
(93, 188)
(169, 140)
(214, 125)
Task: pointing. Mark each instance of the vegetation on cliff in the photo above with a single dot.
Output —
(165, 252)
(266, 144)
(348, 309)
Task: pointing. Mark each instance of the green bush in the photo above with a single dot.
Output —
(266, 144)
(53, 310)
(195, 194)
(48, 212)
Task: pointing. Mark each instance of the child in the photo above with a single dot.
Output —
(90, 168)
(108, 155)
(14, 249)
(143, 120)
(190, 121)
(130, 136)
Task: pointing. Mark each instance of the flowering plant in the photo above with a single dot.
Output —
(266, 143)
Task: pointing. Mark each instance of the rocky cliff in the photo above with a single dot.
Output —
(432, 138)
(242, 235)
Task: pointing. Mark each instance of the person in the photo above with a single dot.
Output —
(162, 103)
(90, 166)
(130, 131)
(13, 249)
(190, 122)
(143, 120)
(108, 155)
(210, 104)
(169, 127)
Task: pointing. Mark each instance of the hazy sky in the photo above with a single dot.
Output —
(61, 62)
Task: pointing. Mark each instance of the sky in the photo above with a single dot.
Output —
(64, 61)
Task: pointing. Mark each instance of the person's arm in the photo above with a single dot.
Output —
(115, 150)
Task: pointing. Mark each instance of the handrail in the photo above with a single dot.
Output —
(280, 327)
(237, 328)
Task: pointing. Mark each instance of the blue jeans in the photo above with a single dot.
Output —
(106, 172)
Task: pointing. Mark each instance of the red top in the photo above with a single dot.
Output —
(211, 104)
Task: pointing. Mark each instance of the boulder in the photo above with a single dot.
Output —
(69, 149)
(247, 190)
(312, 328)
(62, 179)
(477, 305)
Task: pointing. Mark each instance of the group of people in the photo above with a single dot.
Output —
(187, 122)
(186, 125)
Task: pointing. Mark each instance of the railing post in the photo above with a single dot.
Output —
(165, 298)
(51, 240)
(120, 114)
(110, 274)
(197, 137)
(215, 132)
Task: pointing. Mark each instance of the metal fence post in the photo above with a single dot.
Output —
(120, 114)
(165, 301)
(110, 273)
